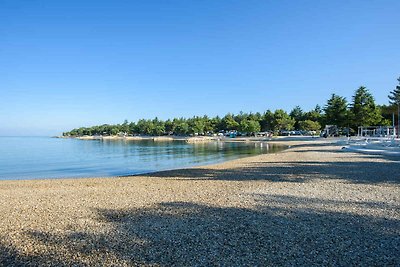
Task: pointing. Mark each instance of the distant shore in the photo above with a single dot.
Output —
(151, 138)
(195, 139)
(312, 204)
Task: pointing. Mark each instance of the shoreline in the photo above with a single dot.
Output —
(193, 139)
(286, 142)
(311, 204)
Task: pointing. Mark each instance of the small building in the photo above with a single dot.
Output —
(376, 131)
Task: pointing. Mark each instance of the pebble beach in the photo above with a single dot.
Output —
(313, 204)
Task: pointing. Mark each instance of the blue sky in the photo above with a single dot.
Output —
(65, 64)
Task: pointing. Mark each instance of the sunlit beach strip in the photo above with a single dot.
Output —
(374, 145)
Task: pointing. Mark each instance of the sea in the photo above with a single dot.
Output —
(45, 157)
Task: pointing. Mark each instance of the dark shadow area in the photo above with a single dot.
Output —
(189, 234)
(298, 171)
(10, 257)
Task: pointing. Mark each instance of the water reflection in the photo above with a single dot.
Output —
(31, 158)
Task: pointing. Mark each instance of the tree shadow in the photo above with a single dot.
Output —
(280, 231)
(296, 171)
(11, 256)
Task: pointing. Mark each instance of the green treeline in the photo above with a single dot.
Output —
(361, 111)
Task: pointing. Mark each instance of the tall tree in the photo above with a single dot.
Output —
(158, 127)
(197, 125)
(314, 115)
(387, 113)
(229, 122)
(181, 128)
(267, 121)
(132, 127)
(239, 117)
(254, 116)
(216, 124)
(208, 125)
(336, 111)
(298, 115)
(363, 109)
(394, 96)
(125, 127)
(282, 121)
(394, 100)
(169, 126)
(249, 126)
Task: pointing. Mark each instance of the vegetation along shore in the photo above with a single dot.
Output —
(361, 111)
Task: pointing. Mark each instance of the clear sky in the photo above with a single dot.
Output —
(65, 64)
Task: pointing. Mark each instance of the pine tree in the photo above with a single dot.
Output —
(364, 111)
(394, 100)
(336, 111)
(394, 96)
(298, 115)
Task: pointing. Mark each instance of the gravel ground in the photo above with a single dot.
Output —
(311, 205)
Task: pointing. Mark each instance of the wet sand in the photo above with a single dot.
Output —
(313, 204)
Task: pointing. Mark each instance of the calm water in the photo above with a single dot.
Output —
(44, 157)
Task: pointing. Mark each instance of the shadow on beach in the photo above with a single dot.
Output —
(297, 171)
(278, 230)
(187, 234)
